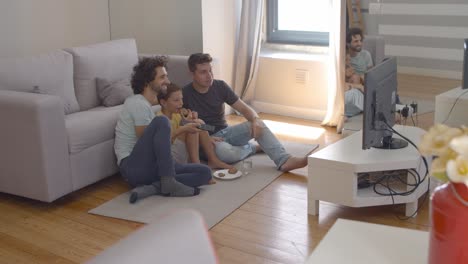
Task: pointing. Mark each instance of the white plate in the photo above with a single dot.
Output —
(227, 175)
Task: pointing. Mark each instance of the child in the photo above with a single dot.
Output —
(354, 94)
(186, 141)
(352, 79)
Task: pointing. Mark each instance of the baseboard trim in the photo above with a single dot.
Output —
(291, 111)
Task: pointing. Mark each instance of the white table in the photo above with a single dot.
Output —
(180, 236)
(444, 103)
(358, 242)
(333, 172)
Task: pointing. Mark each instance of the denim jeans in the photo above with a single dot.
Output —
(236, 145)
(151, 158)
(354, 102)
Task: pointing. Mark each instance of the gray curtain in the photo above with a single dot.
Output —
(336, 64)
(248, 48)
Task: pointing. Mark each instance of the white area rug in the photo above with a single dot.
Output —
(215, 202)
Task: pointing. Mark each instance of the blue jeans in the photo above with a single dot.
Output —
(354, 102)
(236, 145)
(151, 158)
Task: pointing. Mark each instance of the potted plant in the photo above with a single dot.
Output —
(449, 202)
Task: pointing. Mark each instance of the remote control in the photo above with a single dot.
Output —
(206, 127)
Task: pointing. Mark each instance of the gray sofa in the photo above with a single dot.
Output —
(376, 47)
(58, 137)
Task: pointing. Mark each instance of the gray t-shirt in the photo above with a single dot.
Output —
(136, 111)
(361, 62)
(210, 105)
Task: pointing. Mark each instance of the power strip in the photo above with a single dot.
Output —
(400, 108)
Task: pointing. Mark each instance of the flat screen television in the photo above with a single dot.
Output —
(465, 66)
(380, 97)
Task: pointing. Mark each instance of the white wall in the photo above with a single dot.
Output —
(219, 34)
(292, 87)
(159, 26)
(29, 27)
(276, 91)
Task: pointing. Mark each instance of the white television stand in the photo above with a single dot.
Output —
(333, 172)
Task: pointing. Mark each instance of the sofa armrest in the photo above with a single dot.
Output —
(34, 161)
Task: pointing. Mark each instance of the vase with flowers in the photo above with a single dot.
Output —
(449, 202)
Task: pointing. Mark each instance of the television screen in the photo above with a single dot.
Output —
(380, 98)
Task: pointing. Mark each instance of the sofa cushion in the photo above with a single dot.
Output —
(91, 127)
(88, 128)
(178, 70)
(113, 93)
(113, 60)
(52, 73)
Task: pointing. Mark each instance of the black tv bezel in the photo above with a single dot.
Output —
(465, 65)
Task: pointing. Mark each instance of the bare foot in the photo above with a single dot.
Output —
(340, 125)
(212, 181)
(219, 165)
(294, 163)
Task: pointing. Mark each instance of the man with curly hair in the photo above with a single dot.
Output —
(143, 140)
(360, 60)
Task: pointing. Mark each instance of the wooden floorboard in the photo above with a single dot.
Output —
(272, 227)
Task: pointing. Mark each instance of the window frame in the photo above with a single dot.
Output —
(274, 35)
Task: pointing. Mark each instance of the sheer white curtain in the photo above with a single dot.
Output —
(336, 64)
(248, 48)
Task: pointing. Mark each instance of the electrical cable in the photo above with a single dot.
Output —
(413, 172)
(453, 106)
(426, 195)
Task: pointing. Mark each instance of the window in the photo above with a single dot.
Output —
(298, 21)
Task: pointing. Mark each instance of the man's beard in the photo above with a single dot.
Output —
(357, 49)
(158, 89)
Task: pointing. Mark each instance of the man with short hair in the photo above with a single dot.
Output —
(143, 141)
(207, 96)
(360, 60)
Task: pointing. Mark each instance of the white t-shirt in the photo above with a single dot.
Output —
(136, 112)
(361, 62)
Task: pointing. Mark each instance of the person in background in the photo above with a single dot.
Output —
(352, 79)
(207, 96)
(143, 141)
(358, 61)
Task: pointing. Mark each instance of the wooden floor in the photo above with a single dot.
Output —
(272, 227)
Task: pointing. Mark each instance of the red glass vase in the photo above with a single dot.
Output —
(449, 224)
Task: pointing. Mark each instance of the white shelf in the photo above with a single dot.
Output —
(333, 172)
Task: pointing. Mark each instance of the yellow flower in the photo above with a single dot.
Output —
(449, 146)
(457, 170)
(436, 140)
(460, 145)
